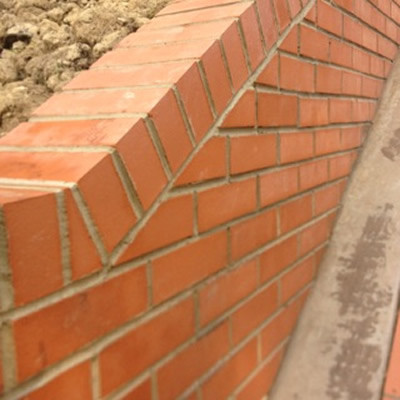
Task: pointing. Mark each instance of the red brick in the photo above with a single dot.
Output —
(340, 110)
(351, 83)
(134, 100)
(327, 141)
(208, 163)
(142, 162)
(386, 47)
(362, 111)
(282, 13)
(392, 386)
(231, 374)
(330, 18)
(312, 15)
(327, 198)
(145, 344)
(183, 268)
(314, 44)
(235, 56)
(377, 66)
(154, 53)
(371, 87)
(269, 29)
(313, 112)
(295, 213)
(291, 69)
(279, 185)
(254, 312)
(351, 138)
(277, 258)
(217, 77)
(298, 277)
(175, 216)
(313, 174)
(74, 384)
(341, 53)
(174, 7)
(114, 220)
(269, 75)
(140, 392)
(65, 167)
(341, 165)
(31, 222)
(329, 80)
(296, 146)
(84, 257)
(197, 107)
(395, 11)
(224, 203)
(192, 362)
(262, 381)
(217, 296)
(172, 132)
(106, 132)
(346, 4)
(295, 7)
(52, 333)
(280, 327)
(130, 75)
(213, 29)
(196, 16)
(290, 43)
(361, 60)
(252, 152)
(360, 34)
(276, 110)
(243, 113)
(371, 40)
(314, 235)
(251, 234)
(252, 37)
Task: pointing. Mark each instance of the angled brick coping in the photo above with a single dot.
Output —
(164, 216)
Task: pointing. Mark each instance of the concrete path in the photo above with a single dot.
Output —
(341, 347)
(392, 384)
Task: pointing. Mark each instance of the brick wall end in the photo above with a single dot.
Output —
(188, 179)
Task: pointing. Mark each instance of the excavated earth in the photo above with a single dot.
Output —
(45, 43)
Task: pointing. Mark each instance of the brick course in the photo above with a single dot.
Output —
(170, 218)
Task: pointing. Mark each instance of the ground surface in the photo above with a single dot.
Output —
(44, 43)
(392, 386)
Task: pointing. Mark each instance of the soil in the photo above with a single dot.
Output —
(45, 43)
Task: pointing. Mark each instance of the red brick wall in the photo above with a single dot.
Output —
(163, 217)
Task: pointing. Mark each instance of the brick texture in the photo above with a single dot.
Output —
(166, 213)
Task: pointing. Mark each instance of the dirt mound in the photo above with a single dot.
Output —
(44, 43)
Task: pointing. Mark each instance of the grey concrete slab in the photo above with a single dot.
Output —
(340, 348)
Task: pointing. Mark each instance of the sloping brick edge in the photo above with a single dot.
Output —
(188, 161)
